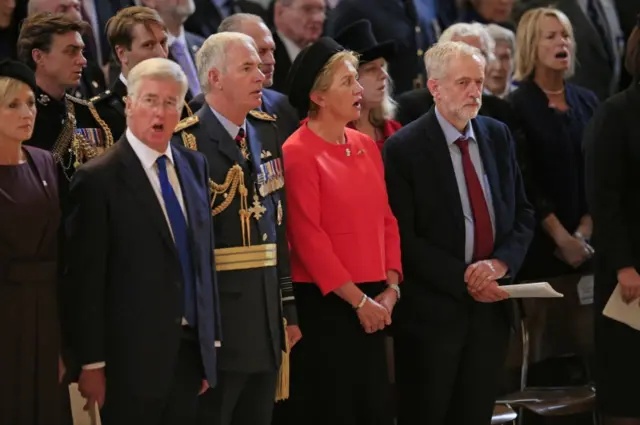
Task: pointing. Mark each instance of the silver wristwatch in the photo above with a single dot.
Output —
(395, 288)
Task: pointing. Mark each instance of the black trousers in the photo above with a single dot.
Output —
(177, 408)
(239, 399)
(450, 373)
(339, 373)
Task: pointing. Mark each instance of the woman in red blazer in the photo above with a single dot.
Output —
(345, 247)
(377, 106)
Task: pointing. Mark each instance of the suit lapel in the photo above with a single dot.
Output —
(120, 91)
(219, 135)
(580, 19)
(485, 146)
(438, 153)
(190, 196)
(136, 179)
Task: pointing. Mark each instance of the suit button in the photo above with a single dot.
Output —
(265, 237)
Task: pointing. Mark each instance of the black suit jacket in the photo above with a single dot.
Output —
(612, 156)
(125, 273)
(251, 302)
(194, 42)
(283, 64)
(423, 194)
(273, 103)
(207, 18)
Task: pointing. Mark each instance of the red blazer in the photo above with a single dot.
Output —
(339, 223)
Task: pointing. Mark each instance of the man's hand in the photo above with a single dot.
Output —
(92, 386)
(387, 299)
(479, 275)
(294, 334)
(490, 294)
(204, 387)
(629, 280)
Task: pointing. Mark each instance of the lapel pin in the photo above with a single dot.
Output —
(44, 183)
(360, 152)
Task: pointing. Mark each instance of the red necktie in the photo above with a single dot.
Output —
(482, 227)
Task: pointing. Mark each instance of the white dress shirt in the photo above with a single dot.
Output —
(292, 48)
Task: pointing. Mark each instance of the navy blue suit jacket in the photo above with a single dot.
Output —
(125, 273)
(424, 197)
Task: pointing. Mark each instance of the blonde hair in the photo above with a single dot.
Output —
(528, 38)
(438, 58)
(323, 80)
(158, 69)
(463, 29)
(213, 54)
(9, 88)
(387, 108)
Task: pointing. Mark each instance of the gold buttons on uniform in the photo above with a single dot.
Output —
(420, 52)
(418, 29)
(265, 237)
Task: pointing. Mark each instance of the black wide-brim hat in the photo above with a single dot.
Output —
(305, 70)
(359, 37)
(18, 71)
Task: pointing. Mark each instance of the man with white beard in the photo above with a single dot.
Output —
(183, 45)
(465, 226)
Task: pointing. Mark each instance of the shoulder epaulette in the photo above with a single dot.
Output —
(186, 123)
(101, 96)
(78, 100)
(261, 115)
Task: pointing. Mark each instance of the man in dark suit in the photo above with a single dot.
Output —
(242, 148)
(183, 45)
(141, 268)
(273, 102)
(296, 24)
(412, 23)
(452, 326)
(212, 12)
(135, 34)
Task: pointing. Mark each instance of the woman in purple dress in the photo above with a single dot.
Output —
(30, 366)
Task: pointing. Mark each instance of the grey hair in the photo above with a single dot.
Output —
(157, 69)
(463, 29)
(500, 33)
(233, 23)
(213, 54)
(438, 57)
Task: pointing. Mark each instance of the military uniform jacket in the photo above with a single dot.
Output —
(253, 301)
(72, 130)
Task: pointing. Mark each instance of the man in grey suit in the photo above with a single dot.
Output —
(599, 41)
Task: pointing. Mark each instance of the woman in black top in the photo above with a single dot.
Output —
(553, 115)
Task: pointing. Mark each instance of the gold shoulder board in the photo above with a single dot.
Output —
(186, 123)
(99, 97)
(261, 115)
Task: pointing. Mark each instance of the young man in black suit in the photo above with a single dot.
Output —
(465, 226)
(141, 266)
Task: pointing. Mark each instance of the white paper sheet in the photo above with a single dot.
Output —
(618, 310)
(531, 290)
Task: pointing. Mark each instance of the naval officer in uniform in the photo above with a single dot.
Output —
(252, 259)
(69, 127)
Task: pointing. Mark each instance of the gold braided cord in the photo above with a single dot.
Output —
(189, 141)
(107, 131)
(63, 141)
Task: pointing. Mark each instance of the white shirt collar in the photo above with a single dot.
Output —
(181, 38)
(228, 125)
(292, 48)
(451, 134)
(145, 154)
(124, 80)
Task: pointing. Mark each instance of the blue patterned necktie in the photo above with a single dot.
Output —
(182, 56)
(181, 238)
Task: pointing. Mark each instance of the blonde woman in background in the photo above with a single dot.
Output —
(553, 114)
(377, 108)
